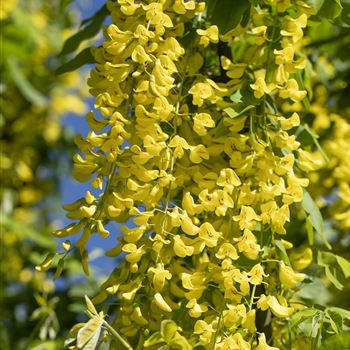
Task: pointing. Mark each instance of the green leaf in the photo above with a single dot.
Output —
(26, 88)
(325, 258)
(90, 305)
(315, 217)
(314, 293)
(315, 141)
(221, 129)
(335, 319)
(339, 341)
(281, 251)
(154, 339)
(309, 231)
(227, 14)
(330, 9)
(300, 79)
(302, 316)
(90, 30)
(331, 274)
(47, 345)
(233, 114)
(344, 265)
(83, 57)
(236, 97)
(88, 335)
(344, 313)
(168, 329)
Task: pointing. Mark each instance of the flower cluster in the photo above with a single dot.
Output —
(195, 156)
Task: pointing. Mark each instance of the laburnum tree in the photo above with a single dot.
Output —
(220, 146)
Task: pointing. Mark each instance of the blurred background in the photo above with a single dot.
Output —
(40, 115)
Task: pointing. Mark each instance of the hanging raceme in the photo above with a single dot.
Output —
(196, 148)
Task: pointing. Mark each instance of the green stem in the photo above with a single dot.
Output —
(117, 336)
(252, 297)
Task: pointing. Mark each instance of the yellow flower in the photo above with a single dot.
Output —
(143, 35)
(139, 55)
(209, 35)
(159, 276)
(277, 309)
(225, 202)
(308, 161)
(234, 315)
(180, 144)
(292, 29)
(198, 153)
(260, 34)
(189, 205)
(227, 250)
(195, 283)
(300, 260)
(263, 345)
(285, 55)
(135, 253)
(207, 90)
(228, 179)
(234, 342)
(249, 321)
(247, 245)
(234, 70)
(289, 123)
(291, 90)
(209, 201)
(204, 330)
(209, 235)
(247, 218)
(196, 309)
(200, 92)
(180, 6)
(180, 249)
(161, 303)
(172, 49)
(128, 7)
(156, 16)
(201, 122)
(288, 277)
(256, 274)
(260, 87)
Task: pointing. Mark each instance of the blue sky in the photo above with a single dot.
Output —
(71, 189)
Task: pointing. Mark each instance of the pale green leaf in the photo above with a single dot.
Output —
(339, 341)
(335, 320)
(344, 265)
(26, 88)
(330, 9)
(88, 335)
(315, 217)
(302, 316)
(155, 338)
(281, 251)
(90, 305)
(233, 114)
(331, 274)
